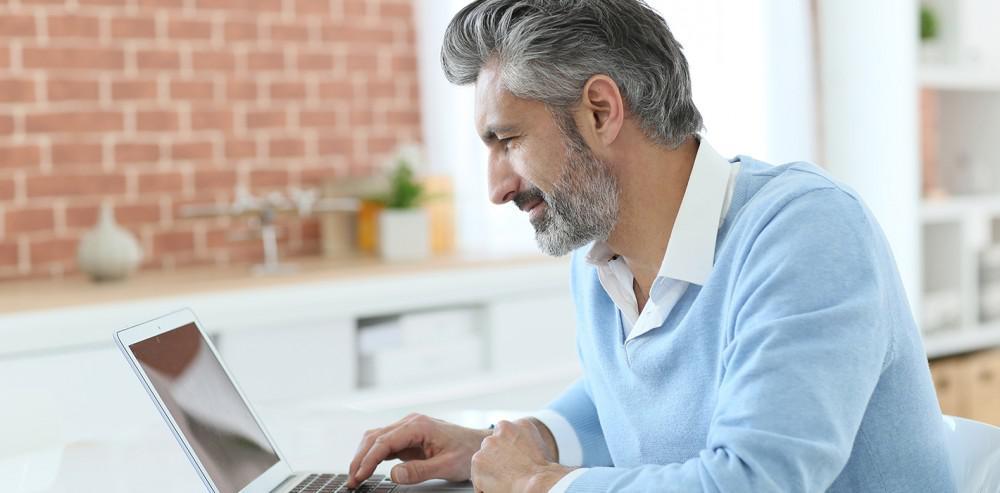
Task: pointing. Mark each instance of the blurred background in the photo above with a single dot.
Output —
(301, 175)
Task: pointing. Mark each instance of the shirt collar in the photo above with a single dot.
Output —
(690, 253)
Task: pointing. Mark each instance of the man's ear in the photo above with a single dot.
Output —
(603, 108)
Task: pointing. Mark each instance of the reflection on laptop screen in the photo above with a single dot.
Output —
(206, 406)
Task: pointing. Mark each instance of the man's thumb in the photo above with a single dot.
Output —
(418, 471)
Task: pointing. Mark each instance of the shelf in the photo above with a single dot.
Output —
(955, 209)
(959, 77)
(952, 342)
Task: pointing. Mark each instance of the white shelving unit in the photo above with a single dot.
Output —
(960, 232)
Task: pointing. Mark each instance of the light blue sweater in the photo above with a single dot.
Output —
(796, 367)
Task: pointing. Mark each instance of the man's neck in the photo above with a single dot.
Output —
(652, 180)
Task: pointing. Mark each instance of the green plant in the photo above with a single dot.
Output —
(405, 192)
(928, 23)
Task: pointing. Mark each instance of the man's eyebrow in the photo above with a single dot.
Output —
(491, 131)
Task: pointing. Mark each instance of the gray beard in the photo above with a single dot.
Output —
(582, 206)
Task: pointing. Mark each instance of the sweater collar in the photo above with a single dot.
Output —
(690, 254)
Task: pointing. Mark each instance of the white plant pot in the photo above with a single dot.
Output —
(404, 235)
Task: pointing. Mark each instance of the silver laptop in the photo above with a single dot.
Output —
(212, 420)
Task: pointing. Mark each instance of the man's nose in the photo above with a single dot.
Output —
(503, 181)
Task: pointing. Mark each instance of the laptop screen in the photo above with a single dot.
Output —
(206, 406)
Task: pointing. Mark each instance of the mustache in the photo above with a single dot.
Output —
(528, 196)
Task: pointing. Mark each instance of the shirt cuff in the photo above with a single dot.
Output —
(566, 480)
(567, 442)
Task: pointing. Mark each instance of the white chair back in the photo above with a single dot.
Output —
(974, 450)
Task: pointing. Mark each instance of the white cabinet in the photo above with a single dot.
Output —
(532, 333)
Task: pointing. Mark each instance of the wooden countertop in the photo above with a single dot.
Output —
(33, 295)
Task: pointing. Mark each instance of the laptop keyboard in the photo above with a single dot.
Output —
(330, 483)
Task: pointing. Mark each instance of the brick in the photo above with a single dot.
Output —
(395, 9)
(65, 185)
(156, 121)
(381, 89)
(239, 31)
(84, 216)
(266, 119)
(191, 90)
(133, 214)
(14, 156)
(335, 145)
(241, 90)
(211, 119)
(339, 90)
(288, 90)
(133, 28)
(317, 8)
(400, 118)
(360, 62)
(4, 56)
(205, 180)
(172, 241)
(406, 62)
(134, 90)
(157, 60)
(6, 188)
(126, 153)
(170, 182)
(266, 6)
(379, 145)
(74, 122)
(288, 32)
(234, 5)
(286, 147)
(52, 250)
(67, 58)
(8, 253)
(162, 4)
(191, 150)
(266, 60)
(101, 3)
(14, 26)
(17, 90)
(28, 220)
(268, 178)
(73, 26)
(74, 153)
(355, 8)
(241, 149)
(6, 124)
(315, 62)
(212, 61)
(317, 119)
(189, 29)
(72, 90)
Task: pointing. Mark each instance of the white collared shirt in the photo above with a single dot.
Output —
(689, 259)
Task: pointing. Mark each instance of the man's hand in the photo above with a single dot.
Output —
(516, 458)
(430, 449)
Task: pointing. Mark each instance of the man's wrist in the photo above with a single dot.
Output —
(550, 440)
(544, 478)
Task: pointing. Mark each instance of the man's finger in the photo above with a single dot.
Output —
(418, 471)
(366, 444)
(384, 446)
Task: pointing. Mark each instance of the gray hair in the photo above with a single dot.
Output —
(547, 50)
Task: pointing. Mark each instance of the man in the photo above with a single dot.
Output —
(741, 327)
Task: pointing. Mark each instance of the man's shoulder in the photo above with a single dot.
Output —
(770, 189)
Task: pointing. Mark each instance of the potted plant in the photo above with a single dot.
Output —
(404, 230)
(930, 42)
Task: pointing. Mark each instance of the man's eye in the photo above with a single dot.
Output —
(505, 142)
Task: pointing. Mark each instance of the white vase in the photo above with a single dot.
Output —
(404, 234)
(108, 252)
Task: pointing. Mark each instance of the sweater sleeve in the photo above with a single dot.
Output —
(576, 406)
(807, 345)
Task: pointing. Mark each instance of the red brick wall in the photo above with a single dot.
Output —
(154, 104)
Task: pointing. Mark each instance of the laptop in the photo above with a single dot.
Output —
(212, 420)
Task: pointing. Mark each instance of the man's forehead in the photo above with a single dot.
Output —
(496, 107)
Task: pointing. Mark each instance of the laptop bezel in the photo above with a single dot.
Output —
(266, 482)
